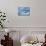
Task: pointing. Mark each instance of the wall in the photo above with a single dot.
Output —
(36, 19)
(35, 22)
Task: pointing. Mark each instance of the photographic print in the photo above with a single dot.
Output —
(24, 11)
